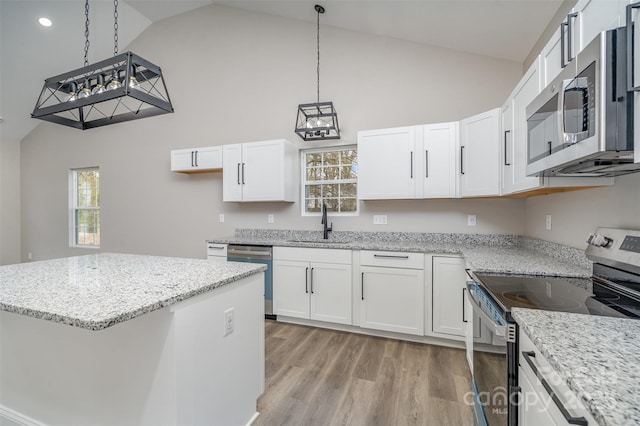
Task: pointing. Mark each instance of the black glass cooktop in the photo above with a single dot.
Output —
(554, 294)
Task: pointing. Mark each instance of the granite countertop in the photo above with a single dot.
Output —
(494, 254)
(598, 357)
(100, 290)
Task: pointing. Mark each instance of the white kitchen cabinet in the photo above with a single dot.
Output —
(392, 291)
(259, 171)
(595, 16)
(550, 59)
(438, 170)
(450, 315)
(407, 162)
(217, 252)
(536, 404)
(386, 164)
(196, 160)
(312, 284)
(480, 155)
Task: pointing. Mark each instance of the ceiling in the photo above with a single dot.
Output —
(506, 29)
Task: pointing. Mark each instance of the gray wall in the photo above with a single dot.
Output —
(9, 200)
(235, 76)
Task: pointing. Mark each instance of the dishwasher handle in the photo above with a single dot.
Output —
(231, 252)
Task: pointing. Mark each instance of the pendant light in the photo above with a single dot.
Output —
(122, 88)
(319, 120)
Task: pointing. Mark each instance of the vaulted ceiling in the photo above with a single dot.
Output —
(29, 53)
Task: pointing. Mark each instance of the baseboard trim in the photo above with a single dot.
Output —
(19, 418)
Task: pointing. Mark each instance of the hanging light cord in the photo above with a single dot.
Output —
(115, 27)
(86, 33)
(318, 49)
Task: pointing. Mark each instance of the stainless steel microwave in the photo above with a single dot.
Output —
(582, 122)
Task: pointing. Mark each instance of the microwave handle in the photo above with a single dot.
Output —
(630, 51)
(563, 63)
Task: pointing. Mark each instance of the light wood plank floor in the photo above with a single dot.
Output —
(325, 377)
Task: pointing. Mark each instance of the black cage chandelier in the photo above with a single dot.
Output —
(122, 88)
(319, 120)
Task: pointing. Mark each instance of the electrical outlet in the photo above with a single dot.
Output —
(228, 321)
(269, 218)
(379, 219)
(30, 256)
(221, 217)
(471, 220)
(548, 222)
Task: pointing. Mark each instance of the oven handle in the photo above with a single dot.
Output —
(497, 329)
(568, 417)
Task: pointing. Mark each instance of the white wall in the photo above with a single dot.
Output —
(236, 76)
(9, 200)
(576, 214)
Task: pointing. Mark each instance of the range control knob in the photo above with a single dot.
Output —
(599, 240)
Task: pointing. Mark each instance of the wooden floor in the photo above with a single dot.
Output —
(324, 377)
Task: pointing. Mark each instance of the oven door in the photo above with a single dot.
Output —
(491, 382)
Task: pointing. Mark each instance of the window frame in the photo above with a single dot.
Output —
(74, 208)
(303, 180)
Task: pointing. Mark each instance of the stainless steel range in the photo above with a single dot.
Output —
(613, 290)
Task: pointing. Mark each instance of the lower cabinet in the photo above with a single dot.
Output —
(312, 284)
(392, 292)
(450, 309)
(538, 381)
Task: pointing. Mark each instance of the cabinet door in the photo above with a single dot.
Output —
(533, 409)
(330, 287)
(550, 59)
(291, 288)
(506, 148)
(392, 299)
(449, 288)
(469, 331)
(595, 16)
(525, 92)
(480, 155)
(182, 160)
(386, 164)
(209, 158)
(232, 172)
(438, 162)
(264, 171)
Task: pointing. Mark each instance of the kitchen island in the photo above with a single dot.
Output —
(128, 339)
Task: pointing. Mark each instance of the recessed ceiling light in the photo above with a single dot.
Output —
(45, 22)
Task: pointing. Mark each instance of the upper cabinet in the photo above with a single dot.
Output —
(407, 162)
(196, 160)
(259, 171)
(480, 155)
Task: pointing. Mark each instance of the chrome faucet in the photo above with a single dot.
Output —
(327, 228)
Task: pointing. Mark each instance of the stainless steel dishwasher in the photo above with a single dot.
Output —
(257, 254)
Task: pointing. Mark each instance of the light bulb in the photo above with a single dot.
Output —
(99, 86)
(114, 83)
(86, 89)
(309, 123)
(72, 92)
(133, 81)
(318, 123)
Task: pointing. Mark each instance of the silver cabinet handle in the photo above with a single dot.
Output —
(462, 160)
(563, 55)
(196, 158)
(426, 163)
(306, 280)
(506, 161)
(411, 164)
(243, 173)
(463, 303)
(362, 286)
(570, 18)
(528, 355)
(238, 173)
(390, 256)
(311, 280)
(192, 164)
(216, 247)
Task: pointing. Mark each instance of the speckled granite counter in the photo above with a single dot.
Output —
(599, 358)
(497, 254)
(100, 290)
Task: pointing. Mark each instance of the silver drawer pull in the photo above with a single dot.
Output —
(390, 256)
(217, 248)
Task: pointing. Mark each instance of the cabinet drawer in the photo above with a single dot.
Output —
(392, 259)
(312, 254)
(217, 250)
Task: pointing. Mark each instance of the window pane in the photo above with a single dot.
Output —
(332, 204)
(336, 165)
(88, 191)
(313, 205)
(314, 173)
(348, 204)
(332, 158)
(348, 172)
(314, 159)
(331, 173)
(88, 227)
(313, 191)
(330, 191)
(348, 190)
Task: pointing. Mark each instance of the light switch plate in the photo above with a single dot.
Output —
(547, 223)
(221, 217)
(270, 218)
(471, 220)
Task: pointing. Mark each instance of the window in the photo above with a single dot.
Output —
(84, 195)
(330, 175)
